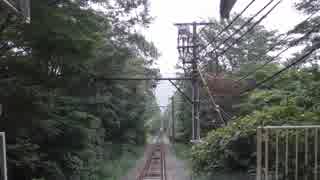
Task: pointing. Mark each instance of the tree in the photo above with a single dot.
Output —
(62, 120)
(214, 62)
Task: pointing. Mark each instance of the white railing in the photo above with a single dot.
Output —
(288, 153)
(3, 157)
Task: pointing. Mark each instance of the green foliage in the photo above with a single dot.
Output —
(117, 168)
(62, 121)
(233, 147)
(292, 101)
(250, 50)
(182, 150)
(240, 60)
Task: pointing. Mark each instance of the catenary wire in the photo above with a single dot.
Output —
(244, 25)
(228, 26)
(301, 59)
(296, 42)
(249, 30)
(243, 35)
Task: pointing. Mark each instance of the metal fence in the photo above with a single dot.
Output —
(3, 157)
(288, 153)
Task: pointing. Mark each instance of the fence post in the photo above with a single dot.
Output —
(259, 153)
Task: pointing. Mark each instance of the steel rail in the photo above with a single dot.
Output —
(155, 163)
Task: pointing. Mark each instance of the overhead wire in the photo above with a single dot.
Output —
(244, 25)
(214, 104)
(227, 26)
(217, 107)
(272, 47)
(249, 30)
(230, 116)
(301, 59)
(296, 42)
(243, 35)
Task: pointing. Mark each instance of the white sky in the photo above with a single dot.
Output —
(167, 12)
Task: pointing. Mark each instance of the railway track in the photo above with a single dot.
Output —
(155, 164)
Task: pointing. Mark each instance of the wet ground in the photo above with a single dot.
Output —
(176, 168)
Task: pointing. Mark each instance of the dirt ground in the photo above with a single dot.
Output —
(176, 169)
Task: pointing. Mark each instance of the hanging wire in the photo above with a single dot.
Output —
(216, 107)
(249, 30)
(244, 25)
(296, 42)
(228, 26)
(243, 35)
(301, 59)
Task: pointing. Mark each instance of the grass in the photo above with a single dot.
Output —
(227, 176)
(119, 167)
(182, 152)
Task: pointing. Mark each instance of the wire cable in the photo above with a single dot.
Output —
(215, 105)
(243, 35)
(284, 39)
(228, 26)
(296, 42)
(223, 111)
(249, 30)
(275, 45)
(244, 25)
(228, 115)
(301, 59)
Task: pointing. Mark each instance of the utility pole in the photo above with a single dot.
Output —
(173, 119)
(195, 86)
(188, 52)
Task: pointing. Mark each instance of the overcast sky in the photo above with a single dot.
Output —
(167, 12)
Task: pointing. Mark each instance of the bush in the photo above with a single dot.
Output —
(233, 148)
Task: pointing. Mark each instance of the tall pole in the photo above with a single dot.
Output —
(195, 87)
(173, 120)
(188, 40)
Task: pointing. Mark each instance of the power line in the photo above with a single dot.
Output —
(228, 26)
(215, 106)
(243, 35)
(229, 115)
(141, 78)
(244, 25)
(301, 59)
(296, 42)
(181, 92)
(249, 30)
(276, 44)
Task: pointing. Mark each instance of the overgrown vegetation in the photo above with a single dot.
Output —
(115, 169)
(290, 99)
(62, 118)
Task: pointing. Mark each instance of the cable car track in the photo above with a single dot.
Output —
(155, 164)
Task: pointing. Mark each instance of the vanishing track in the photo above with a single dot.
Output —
(155, 164)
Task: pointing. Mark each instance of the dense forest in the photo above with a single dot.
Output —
(67, 116)
(63, 117)
(291, 97)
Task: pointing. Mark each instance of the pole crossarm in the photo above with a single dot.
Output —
(141, 79)
(190, 24)
(181, 92)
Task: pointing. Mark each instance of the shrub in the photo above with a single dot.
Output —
(233, 148)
